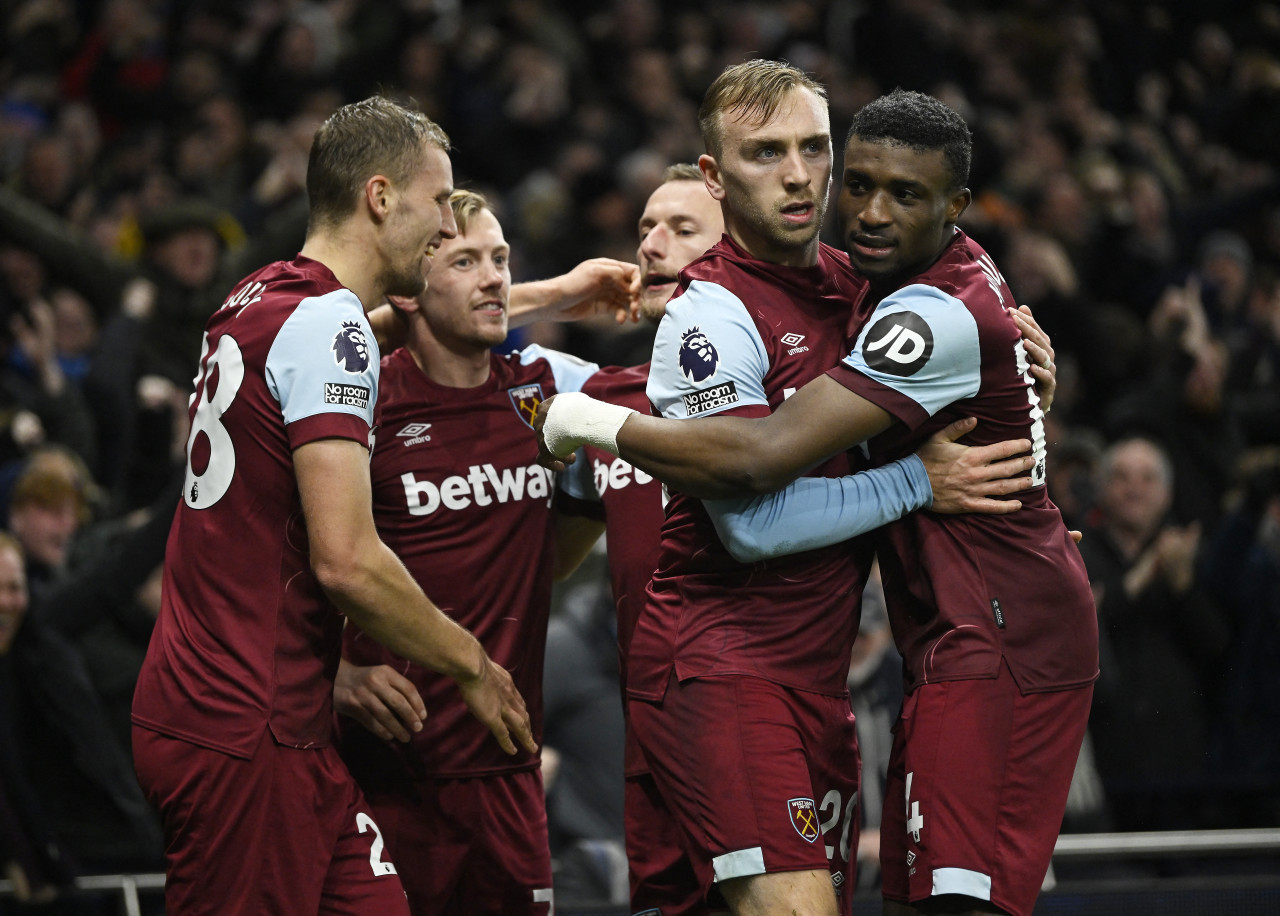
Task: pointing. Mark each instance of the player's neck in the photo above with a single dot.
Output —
(756, 245)
(447, 366)
(349, 261)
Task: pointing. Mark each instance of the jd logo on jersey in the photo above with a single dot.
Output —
(898, 344)
(525, 400)
(804, 818)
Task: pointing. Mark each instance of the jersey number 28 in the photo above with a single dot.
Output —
(209, 446)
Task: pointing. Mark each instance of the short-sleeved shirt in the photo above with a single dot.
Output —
(459, 495)
(965, 591)
(246, 638)
(739, 336)
(629, 502)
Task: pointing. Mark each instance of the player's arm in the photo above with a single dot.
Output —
(599, 286)
(723, 456)
(814, 512)
(371, 586)
(719, 456)
(575, 536)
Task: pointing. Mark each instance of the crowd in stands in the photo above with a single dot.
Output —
(1125, 177)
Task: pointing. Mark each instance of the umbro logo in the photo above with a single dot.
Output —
(415, 433)
(793, 340)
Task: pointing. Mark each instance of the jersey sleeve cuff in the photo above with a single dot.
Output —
(901, 407)
(327, 426)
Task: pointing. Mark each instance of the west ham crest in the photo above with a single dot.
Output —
(804, 817)
(525, 400)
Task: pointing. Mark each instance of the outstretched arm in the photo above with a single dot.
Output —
(599, 286)
(718, 456)
(815, 512)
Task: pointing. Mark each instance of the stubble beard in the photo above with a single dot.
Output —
(396, 281)
(770, 227)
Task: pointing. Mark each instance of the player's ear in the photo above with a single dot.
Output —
(403, 304)
(377, 196)
(958, 203)
(711, 175)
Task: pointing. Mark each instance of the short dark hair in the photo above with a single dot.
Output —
(359, 141)
(753, 88)
(920, 122)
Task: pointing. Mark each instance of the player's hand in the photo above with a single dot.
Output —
(968, 479)
(1040, 354)
(599, 286)
(492, 698)
(545, 456)
(380, 698)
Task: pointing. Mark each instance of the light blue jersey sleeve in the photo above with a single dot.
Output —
(815, 512)
(325, 359)
(707, 355)
(570, 373)
(922, 343)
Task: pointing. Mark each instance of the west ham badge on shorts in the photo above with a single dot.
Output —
(804, 818)
(525, 400)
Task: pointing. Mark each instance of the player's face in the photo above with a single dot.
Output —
(13, 596)
(420, 220)
(774, 178)
(897, 208)
(680, 222)
(465, 304)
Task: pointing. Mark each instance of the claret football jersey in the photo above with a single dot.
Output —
(246, 638)
(459, 495)
(739, 336)
(966, 592)
(630, 504)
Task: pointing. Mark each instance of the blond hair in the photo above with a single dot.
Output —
(681, 171)
(753, 89)
(466, 204)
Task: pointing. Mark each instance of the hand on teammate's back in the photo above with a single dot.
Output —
(380, 698)
(973, 478)
(493, 699)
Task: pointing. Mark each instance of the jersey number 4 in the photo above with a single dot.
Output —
(209, 446)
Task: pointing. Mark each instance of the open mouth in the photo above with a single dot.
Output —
(798, 213)
(658, 280)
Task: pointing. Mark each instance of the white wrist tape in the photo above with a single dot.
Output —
(574, 419)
